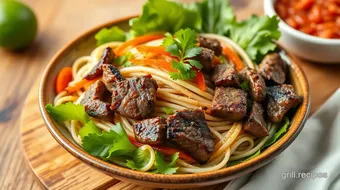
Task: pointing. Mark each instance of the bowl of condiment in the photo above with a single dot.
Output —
(310, 29)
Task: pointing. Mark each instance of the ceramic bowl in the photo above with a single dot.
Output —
(306, 46)
(83, 45)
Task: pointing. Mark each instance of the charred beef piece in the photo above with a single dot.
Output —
(257, 85)
(205, 58)
(135, 97)
(273, 68)
(211, 44)
(111, 76)
(229, 103)
(225, 75)
(107, 58)
(151, 131)
(280, 99)
(188, 130)
(97, 101)
(255, 123)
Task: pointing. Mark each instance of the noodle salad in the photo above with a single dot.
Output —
(187, 90)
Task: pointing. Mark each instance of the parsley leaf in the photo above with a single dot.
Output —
(195, 63)
(192, 52)
(168, 110)
(108, 35)
(163, 167)
(67, 112)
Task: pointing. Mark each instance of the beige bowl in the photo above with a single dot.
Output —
(83, 46)
(306, 46)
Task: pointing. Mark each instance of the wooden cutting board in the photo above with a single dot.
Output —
(53, 166)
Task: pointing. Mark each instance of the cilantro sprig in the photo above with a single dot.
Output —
(183, 46)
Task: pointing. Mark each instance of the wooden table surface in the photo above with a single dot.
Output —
(59, 22)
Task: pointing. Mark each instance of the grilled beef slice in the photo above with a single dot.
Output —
(229, 103)
(111, 76)
(135, 97)
(273, 68)
(257, 85)
(280, 99)
(255, 123)
(205, 58)
(97, 101)
(107, 58)
(225, 75)
(211, 44)
(188, 130)
(151, 131)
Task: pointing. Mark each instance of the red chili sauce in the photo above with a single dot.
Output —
(315, 17)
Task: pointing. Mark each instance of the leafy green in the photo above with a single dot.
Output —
(124, 60)
(67, 112)
(106, 35)
(140, 159)
(256, 35)
(217, 16)
(245, 86)
(183, 46)
(89, 128)
(163, 15)
(163, 167)
(168, 110)
(285, 124)
(109, 144)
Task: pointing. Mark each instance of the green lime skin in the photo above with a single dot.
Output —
(18, 25)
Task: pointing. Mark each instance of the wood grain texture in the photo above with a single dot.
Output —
(59, 22)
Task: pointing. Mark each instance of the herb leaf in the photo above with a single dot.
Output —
(67, 112)
(106, 35)
(164, 167)
(140, 159)
(245, 86)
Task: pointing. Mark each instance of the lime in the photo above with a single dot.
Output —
(18, 25)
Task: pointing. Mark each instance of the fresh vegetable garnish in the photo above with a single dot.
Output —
(256, 35)
(163, 15)
(166, 150)
(163, 167)
(89, 128)
(64, 77)
(245, 86)
(106, 35)
(68, 112)
(140, 159)
(160, 63)
(184, 47)
(285, 124)
(168, 110)
(200, 81)
(136, 41)
(109, 144)
(124, 60)
(216, 15)
(153, 49)
(232, 56)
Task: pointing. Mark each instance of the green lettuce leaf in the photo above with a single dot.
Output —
(89, 128)
(256, 35)
(109, 144)
(106, 35)
(67, 112)
(168, 110)
(282, 130)
(217, 16)
(140, 159)
(163, 15)
(163, 167)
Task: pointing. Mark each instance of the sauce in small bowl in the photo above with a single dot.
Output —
(319, 18)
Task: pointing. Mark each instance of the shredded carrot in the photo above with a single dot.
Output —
(216, 61)
(200, 80)
(153, 49)
(138, 40)
(232, 56)
(160, 63)
(63, 78)
(80, 84)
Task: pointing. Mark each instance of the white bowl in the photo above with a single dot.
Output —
(306, 46)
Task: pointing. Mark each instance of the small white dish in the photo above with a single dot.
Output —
(306, 46)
